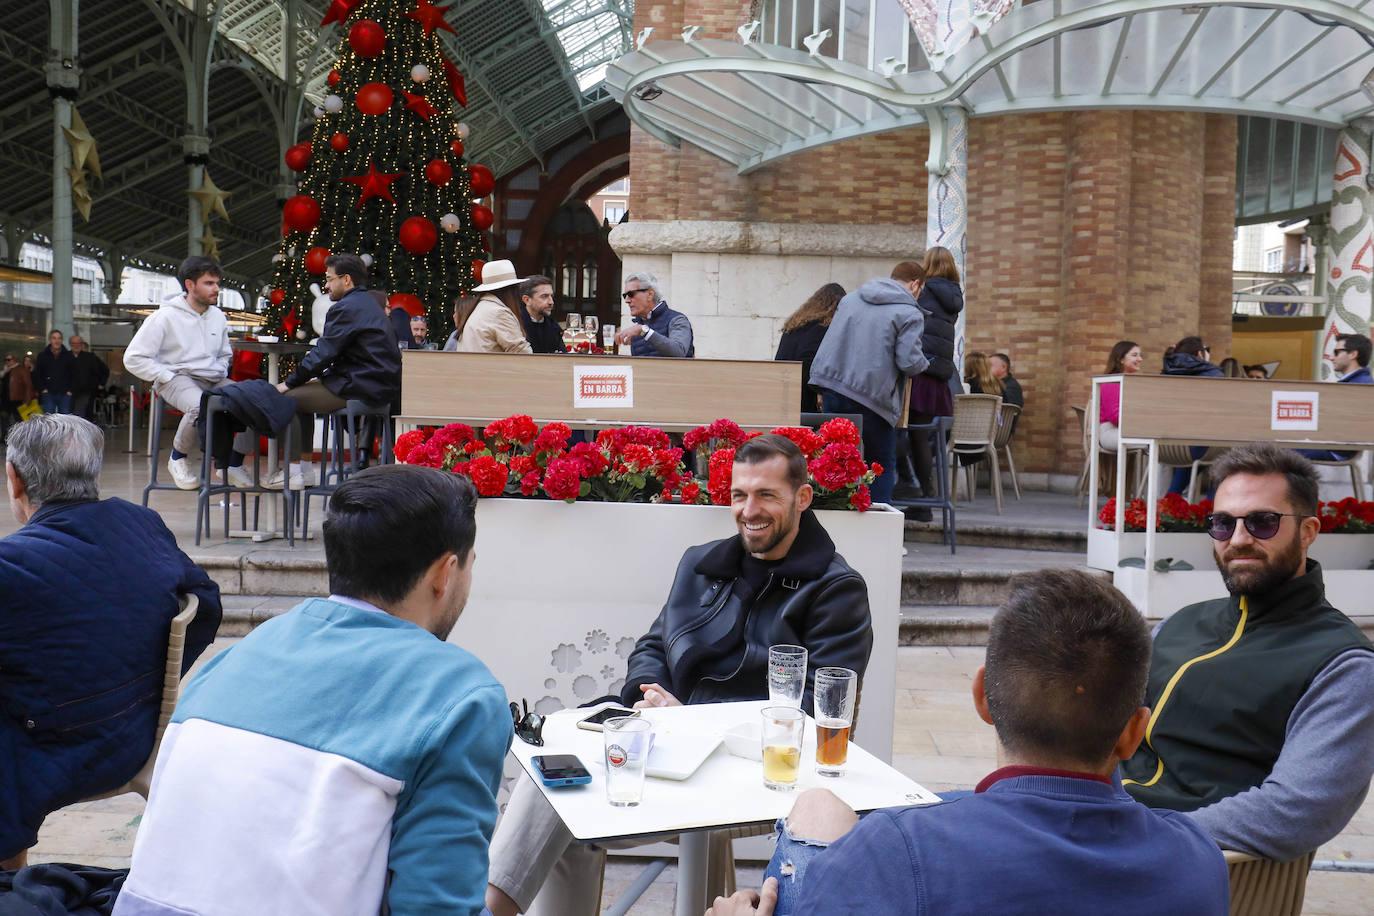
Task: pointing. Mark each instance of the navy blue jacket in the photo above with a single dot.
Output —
(1188, 364)
(357, 356)
(1360, 376)
(672, 334)
(87, 591)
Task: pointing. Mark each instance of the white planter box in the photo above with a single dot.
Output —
(560, 593)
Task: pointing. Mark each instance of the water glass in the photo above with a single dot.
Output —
(627, 741)
(782, 746)
(833, 704)
(786, 675)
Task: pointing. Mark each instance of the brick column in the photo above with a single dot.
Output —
(1218, 232)
(1095, 262)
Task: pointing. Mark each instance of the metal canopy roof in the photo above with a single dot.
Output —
(751, 104)
(531, 69)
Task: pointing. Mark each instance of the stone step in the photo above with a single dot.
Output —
(976, 533)
(265, 570)
(975, 576)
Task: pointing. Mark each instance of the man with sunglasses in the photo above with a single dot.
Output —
(655, 329)
(1260, 722)
(1351, 360)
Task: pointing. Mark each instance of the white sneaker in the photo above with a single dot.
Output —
(239, 477)
(183, 475)
(299, 480)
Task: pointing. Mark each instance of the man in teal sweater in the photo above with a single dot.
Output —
(343, 758)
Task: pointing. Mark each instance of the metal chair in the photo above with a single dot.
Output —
(938, 429)
(1006, 422)
(216, 406)
(171, 691)
(156, 409)
(337, 462)
(1262, 887)
(974, 433)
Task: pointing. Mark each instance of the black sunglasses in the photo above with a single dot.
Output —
(631, 293)
(529, 727)
(1340, 350)
(1262, 525)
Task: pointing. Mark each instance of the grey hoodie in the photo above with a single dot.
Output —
(872, 347)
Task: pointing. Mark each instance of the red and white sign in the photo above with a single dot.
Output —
(603, 386)
(1293, 410)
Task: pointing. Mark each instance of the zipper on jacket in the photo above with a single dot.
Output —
(1173, 682)
(719, 604)
(745, 657)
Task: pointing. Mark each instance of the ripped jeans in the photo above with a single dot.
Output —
(789, 864)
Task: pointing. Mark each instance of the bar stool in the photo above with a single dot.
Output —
(338, 463)
(216, 407)
(156, 408)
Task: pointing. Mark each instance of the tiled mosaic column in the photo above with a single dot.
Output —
(947, 199)
(1351, 240)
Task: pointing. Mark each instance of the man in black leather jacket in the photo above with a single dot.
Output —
(779, 580)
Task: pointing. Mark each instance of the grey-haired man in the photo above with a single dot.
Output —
(656, 330)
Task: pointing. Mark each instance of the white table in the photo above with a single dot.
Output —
(727, 791)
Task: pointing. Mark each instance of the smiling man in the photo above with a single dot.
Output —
(1261, 724)
(777, 581)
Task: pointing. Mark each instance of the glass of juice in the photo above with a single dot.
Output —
(833, 704)
(782, 744)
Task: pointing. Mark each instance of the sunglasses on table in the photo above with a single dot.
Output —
(1262, 525)
(529, 727)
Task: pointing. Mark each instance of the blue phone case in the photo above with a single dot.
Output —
(573, 781)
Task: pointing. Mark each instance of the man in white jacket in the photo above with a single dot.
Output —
(183, 349)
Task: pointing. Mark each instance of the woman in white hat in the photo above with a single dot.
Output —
(494, 325)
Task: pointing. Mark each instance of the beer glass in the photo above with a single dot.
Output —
(608, 338)
(627, 754)
(782, 745)
(786, 675)
(833, 704)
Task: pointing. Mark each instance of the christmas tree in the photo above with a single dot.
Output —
(383, 175)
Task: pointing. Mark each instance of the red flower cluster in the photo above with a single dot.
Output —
(841, 430)
(1172, 513)
(406, 442)
(1346, 516)
(808, 440)
(720, 434)
(720, 470)
(517, 429)
(838, 466)
(488, 475)
(586, 346)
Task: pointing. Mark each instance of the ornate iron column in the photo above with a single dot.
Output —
(1351, 240)
(947, 197)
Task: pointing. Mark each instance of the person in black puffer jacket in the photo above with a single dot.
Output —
(941, 300)
(802, 334)
(1189, 357)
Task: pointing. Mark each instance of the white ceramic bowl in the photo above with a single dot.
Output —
(743, 741)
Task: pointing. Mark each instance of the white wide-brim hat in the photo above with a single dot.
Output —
(497, 274)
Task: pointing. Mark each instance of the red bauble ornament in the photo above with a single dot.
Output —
(374, 98)
(301, 212)
(482, 217)
(483, 181)
(374, 183)
(338, 143)
(298, 157)
(314, 259)
(411, 304)
(367, 38)
(457, 147)
(477, 271)
(277, 296)
(333, 78)
(418, 235)
(439, 172)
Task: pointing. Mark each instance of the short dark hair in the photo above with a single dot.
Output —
(769, 446)
(1357, 344)
(371, 546)
(1067, 662)
(906, 271)
(1006, 360)
(1190, 345)
(1264, 458)
(530, 284)
(348, 265)
(195, 267)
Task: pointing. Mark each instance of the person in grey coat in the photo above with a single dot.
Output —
(872, 348)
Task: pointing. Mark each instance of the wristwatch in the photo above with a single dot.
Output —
(648, 332)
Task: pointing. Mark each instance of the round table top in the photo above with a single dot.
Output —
(277, 347)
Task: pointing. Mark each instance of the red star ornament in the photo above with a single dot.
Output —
(430, 16)
(418, 104)
(290, 323)
(374, 183)
(455, 82)
(338, 11)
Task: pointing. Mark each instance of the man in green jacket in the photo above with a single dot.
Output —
(1261, 724)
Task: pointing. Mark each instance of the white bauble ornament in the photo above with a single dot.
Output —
(300, 333)
(449, 222)
(419, 73)
(277, 259)
(333, 104)
(463, 130)
(366, 259)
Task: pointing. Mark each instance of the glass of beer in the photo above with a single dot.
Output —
(627, 741)
(608, 337)
(833, 704)
(786, 674)
(782, 746)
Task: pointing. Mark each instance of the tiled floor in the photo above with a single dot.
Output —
(940, 742)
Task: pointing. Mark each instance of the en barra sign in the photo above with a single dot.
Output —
(1293, 410)
(603, 386)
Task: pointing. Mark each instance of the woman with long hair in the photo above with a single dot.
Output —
(462, 311)
(940, 300)
(978, 375)
(802, 334)
(1125, 359)
(493, 325)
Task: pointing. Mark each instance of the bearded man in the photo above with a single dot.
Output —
(1260, 724)
(778, 581)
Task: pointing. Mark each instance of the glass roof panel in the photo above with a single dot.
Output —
(592, 33)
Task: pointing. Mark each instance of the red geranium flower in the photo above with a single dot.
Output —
(860, 499)
(841, 430)
(405, 442)
(488, 475)
(561, 480)
(691, 493)
(553, 437)
(721, 473)
(806, 439)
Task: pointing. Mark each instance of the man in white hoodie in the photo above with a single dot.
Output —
(183, 349)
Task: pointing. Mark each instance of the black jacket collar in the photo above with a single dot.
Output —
(809, 557)
(1299, 596)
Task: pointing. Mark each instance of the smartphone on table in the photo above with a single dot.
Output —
(596, 722)
(561, 770)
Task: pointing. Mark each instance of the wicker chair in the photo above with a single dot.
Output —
(975, 433)
(1106, 465)
(1006, 422)
(1181, 456)
(1261, 887)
